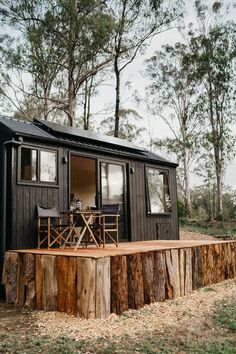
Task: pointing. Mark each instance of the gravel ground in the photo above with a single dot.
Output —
(185, 314)
(188, 235)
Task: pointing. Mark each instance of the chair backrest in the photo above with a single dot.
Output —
(47, 212)
(110, 209)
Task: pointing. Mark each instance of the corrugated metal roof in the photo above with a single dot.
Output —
(24, 127)
(88, 135)
(102, 142)
(84, 139)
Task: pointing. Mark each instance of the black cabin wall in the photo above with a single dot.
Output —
(26, 197)
(1, 236)
(4, 136)
(144, 226)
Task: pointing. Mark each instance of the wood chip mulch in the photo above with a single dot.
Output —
(186, 314)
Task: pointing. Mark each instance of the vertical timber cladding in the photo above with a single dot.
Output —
(25, 197)
(151, 227)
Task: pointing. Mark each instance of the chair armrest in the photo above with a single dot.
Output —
(115, 215)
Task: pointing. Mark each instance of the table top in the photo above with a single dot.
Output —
(75, 211)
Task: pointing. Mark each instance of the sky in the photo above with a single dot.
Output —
(134, 74)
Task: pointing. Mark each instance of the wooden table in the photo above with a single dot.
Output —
(86, 219)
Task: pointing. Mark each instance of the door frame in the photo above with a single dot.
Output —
(115, 161)
(125, 192)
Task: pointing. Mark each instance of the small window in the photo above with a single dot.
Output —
(38, 165)
(48, 166)
(158, 193)
(28, 164)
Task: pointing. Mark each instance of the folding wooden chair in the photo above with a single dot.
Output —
(50, 227)
(110, 223)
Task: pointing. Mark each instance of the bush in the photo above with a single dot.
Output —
(181, 208)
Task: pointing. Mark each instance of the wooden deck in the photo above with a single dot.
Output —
(124, 248)
(92, 283)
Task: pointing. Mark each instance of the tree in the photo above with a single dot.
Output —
(31, 51)
(136, 23)
(77, 32)
(213, 50)
(202, 204)
(205, 170)
(29, 109)
(172, 87)
(129, 130)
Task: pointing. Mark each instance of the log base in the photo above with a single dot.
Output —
(94, 285)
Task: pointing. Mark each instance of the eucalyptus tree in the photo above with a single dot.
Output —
(86, 33)
(66, 42)
(136, 23)
(31, 51)
(211, 60)
(129, 128)
(173, 98)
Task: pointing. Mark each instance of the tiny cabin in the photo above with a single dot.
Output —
(43, 163)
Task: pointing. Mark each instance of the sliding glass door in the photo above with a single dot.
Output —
(95, 183)
(113, 188)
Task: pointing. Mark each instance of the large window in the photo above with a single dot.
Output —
(158, 194)
(38, 165)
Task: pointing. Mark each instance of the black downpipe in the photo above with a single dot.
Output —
(3, 235)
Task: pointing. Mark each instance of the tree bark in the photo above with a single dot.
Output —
(88, 86)
(216, 141)
(218, 163)
(85, 105)
(117, 99)
(71, 64)
(46, 102)
(187, 200)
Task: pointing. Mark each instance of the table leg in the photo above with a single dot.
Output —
(86, 227)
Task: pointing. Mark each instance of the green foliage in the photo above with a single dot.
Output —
(208, 289)
(225, 230)
(129, 128)
(181, 209)
(211, 62)
(204, 202)
(30, 109)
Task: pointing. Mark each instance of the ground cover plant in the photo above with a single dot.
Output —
(218, 229)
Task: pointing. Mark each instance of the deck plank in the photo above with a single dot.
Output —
(125, 248)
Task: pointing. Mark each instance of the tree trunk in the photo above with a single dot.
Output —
(210, 200)
(71, 65)
(87, 102)
(214, 201)
(71, 106)
(46, 102)
(117, 104)
(187, 200)
(218, 162)
(216, 142)
(45, 108)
